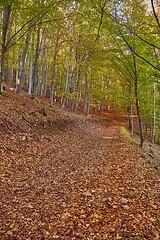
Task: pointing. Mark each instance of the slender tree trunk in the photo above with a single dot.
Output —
(42, 74)
(145, 127)
(31, 68)
(139, 115)
(87, 101)
(78, 89)
(86, 88)
(67, 76)
(39, 76)
(100, 107)
(35, 70)
(52, 87)
(5, 24)
(18, 70)
(153, 127)
(78, 86)
(88, 105)
(85, 104)
(11, 74)
(45, 76)
(137, 102)
(73, 102)
(24, 55)
(11, 69)
(43, 65)
(131, 113)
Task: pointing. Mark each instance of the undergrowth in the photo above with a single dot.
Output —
(126, 135)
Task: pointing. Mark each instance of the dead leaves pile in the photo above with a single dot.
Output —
(81, 183)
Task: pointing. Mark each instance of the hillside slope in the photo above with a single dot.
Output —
(67, 176)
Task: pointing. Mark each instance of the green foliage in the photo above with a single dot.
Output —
(4, 95)
(33, 96)
(34, 114)
(139, 238)
(157, 170)
(54, 110)
(124, 132)
(151, 153)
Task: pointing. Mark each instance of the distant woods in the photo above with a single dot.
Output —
(86, 54)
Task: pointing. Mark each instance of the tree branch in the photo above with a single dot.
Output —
(24, 25)
(138, 55)
(101, 20)
(142, 39)
(30, 20)
(155, 14)
(130, 47)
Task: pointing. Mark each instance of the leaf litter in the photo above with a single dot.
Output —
(66, 176)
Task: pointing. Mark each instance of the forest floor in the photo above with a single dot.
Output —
(69, 176)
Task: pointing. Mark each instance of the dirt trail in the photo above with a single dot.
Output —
(75, 180)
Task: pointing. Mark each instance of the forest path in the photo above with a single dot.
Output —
(83, 181)
(84, 185)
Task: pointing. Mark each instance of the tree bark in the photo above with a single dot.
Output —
(31, 68)
(18, 70)
(35, 70)
(24, 55)
(153, 125)
(45, 75)
(67, 76)
(131, 113)
(52, 87)
(5, 24)
(137, 102)
(73, 102)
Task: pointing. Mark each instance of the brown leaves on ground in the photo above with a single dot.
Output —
(65, 177)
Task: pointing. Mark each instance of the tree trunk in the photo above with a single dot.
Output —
(31, 68)
(24, 55)
(130, 111)
(11, 69)
(67, 76)
(18, 70)
(85, 104)
(145, 127)
(137, 101)
(39, 75)
(35, 70)
(52, 87)
(88, 105)
(86, 88)
(153, 125)
(45, 76)
(73, 102)
(100, 107)
(139, 116)
(138, 111)
(5, 24)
